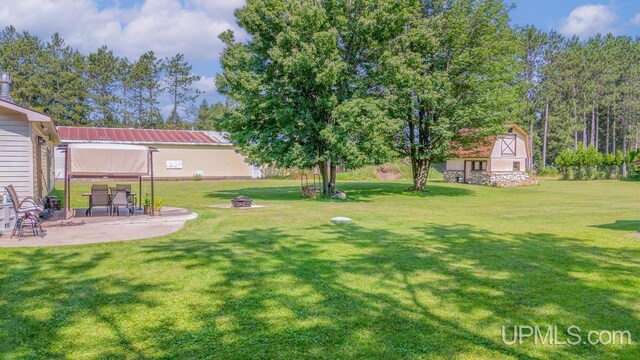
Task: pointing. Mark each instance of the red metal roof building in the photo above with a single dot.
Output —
(140, 136)
(182, 154)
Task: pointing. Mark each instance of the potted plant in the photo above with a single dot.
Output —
(157, 206)
(147, 203)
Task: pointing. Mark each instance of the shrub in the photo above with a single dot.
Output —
(549, 171)
(158, 203)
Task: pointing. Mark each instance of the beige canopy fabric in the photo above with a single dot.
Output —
(108, 160)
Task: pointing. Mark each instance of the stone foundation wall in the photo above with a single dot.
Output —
(506, 178)
(509, 178)
(453, 175)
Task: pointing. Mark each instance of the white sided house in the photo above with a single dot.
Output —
(500, 160)
(27, 140)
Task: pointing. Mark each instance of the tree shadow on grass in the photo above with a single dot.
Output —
(356, 192)
(624, 225)
(46, 293)
(354, 292)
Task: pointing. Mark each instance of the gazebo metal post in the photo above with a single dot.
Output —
(139, 192)
(153, 195)
(67, 185)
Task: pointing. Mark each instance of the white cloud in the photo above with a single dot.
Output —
(636, 19)
(164, 26)
(588, 20)
(206, 84)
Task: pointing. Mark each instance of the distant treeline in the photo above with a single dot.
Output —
(101, 89)
(581, 94)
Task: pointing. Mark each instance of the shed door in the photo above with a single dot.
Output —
(467, 170)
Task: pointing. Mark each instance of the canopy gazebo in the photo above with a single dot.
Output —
(115, 161)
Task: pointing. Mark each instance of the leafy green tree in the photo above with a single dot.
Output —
(146, 87)
(630, 158)
(210, 117)
(451, 67)
(125, 83)
(298, 87)
(63, 85)
(178, 83)
(21, 55)
(103, 84)
(565, 160)
(609, 161)
(618, 163)
(533, 42)
(591, 159)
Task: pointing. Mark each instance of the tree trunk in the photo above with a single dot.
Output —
(324, 173)
(420, 173)
(624, 146)
(332, 178)
(531, 146)
(613, 140)
(597, 144)
(592, 137)
(584, 130)
(636, 135)
(544, 135)
(608, 129)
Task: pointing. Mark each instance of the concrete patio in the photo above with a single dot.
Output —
(101, 228)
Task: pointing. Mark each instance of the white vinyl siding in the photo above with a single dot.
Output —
(16, 161)
(503, 157)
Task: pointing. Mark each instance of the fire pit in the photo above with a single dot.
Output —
(241, 201)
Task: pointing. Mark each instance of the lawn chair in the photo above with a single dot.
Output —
(27, 214)
(127, 188)
(99, 197)
(120, 197)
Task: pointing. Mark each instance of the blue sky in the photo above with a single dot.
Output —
(130, 27)
(616, 16)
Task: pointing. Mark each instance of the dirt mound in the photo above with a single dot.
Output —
(385, 172)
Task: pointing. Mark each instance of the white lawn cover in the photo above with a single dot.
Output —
(109, 159)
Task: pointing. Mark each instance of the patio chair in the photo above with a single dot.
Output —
(127, 188)
(99, 197)
(27, 211)
(120, 197)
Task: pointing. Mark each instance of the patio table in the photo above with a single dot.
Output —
(86, 213)
(131, 194)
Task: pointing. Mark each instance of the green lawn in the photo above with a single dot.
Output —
(432, 276)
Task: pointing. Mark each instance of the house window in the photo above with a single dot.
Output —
(478, 165)
(516, 166)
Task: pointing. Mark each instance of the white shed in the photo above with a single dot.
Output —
(27, 141)
(499, 160)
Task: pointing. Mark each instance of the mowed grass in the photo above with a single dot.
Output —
(431, 276)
